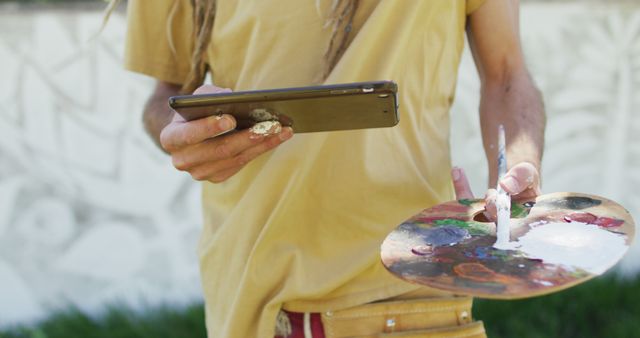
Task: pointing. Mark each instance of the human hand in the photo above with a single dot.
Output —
(210, 149)
(461, 184)
(522, 181)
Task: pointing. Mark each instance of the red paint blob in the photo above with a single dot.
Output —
(585, 217)
(607, 222)
(474, 271)
(443, 260)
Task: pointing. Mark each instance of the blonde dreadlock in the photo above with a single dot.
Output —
(341, 20)
(204, 11)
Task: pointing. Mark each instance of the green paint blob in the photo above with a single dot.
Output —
(451, 221)
(466, 202)
(473, 227)
(518, 211)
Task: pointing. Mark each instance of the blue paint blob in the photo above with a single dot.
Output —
(485, 252)
(444, 235)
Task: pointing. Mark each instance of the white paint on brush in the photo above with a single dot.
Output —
(503, 200)
(503, 226)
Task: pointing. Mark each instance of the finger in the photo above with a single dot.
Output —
(491, 211)
(520, 177)
(461, 184)
(177, 134)
(269, 143)
(219, 171)
(528, 194)
(215, 149)
(211, 89)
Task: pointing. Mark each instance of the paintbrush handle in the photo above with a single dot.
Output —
(502, 156)
(503, 200)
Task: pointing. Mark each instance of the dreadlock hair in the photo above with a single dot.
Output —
(204, 11)
(341, 21)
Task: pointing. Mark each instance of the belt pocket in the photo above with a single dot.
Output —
(471, 330)
(395, 317)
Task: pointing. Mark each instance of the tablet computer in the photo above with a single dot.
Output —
(305, 109)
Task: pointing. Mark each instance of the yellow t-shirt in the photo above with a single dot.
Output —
(301, 226)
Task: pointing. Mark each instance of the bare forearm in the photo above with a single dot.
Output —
(157, 113)
(515, 102)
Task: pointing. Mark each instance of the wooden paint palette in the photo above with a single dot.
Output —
(560, 240)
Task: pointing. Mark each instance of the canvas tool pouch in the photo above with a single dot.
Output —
(415, 318)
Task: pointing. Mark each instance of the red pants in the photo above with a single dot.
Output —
(297, 325)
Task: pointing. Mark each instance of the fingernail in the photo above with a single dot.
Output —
(225, 124)
(285, 134)
(455, 173)
(510, 184)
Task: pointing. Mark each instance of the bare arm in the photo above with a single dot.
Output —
(209, 148)
(508, 96)
(157, 113)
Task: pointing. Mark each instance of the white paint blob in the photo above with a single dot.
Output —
(266, 128)
(538, 223)
(576, 244)
(543, 282)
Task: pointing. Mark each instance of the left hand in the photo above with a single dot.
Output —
(522, 181)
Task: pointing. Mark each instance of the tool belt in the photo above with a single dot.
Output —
(436, 317)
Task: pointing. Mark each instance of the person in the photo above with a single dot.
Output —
(293, 224)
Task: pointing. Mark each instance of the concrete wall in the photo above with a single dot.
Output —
(91, 212)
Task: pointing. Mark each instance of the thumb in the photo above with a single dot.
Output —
(211, 89)
(519, 178)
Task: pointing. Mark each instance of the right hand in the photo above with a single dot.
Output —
(209, 149)
(521, 181)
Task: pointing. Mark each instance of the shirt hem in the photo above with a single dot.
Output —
(158, 71)
(350, 300)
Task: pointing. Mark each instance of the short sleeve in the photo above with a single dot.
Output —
(159, 39)
(472, 5)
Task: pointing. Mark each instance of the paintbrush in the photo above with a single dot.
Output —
(503, 200)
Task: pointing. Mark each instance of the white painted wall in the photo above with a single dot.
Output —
(92, 213)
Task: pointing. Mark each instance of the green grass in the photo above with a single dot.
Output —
(604, 307)
(118, 322)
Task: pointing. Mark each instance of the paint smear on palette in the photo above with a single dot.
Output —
(437, 237)
(576, 244)
(444, 235)
(586, 217)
